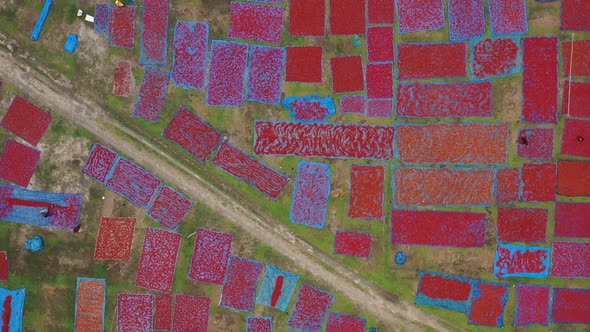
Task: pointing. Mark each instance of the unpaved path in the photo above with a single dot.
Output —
(88, 115)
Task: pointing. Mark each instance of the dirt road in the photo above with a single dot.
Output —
(88, 115)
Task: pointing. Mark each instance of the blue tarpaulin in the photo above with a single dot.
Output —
(12, 303)
(71, 43)
(41, 20)
(35, 244)
(269, 288)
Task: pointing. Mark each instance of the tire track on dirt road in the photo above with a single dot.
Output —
(367, 296)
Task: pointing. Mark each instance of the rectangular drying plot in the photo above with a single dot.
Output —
(520, 261)
(571, 306)
(102, 15)
(540, 80)
(193, 134)
(122, 26)
(527, 225)
(250, 170)
(189, 66)
(310, 195)
(265, 74)
(154, 33)
(572, 220)
(132, 182)
(135, 312)
(258, 22)
(444, 99)
(488, 300)
(152, 94)
(438, 228)
(444, 291)
(340, 322)
(379, 78)
(22, 206)
(508, 185)
(475, 143)
(330, 140)
(353, 244)
(239, 288)
(466, 19)
(443, 186)
(430, 60)
(123, 80)
(366, 191)
(158, 260)
(310, 309)
(90, 304)
(570, 260)
(226, 73)
(191, 313)
(163, 315)
(380, 44)
(210, 256)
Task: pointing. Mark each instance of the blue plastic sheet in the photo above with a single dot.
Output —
(71, 43)
(35, 244)
(267, 289)
(41, 21)
(15, 299)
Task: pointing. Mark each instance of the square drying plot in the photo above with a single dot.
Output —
(347, 74)
(18, 163)
(304, 64)
(347, 17)
(114, 239)
(135, 312)
(191, 313)
(466, 19)
(26, 120)
(532, 305)
(158, 260)
(307, 18)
